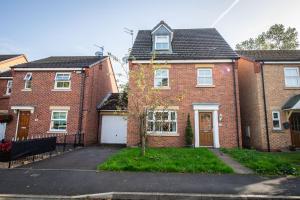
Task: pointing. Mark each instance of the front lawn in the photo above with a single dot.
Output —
(166, 160)
(266, 163)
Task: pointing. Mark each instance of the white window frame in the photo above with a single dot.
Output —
(169, 120)
(9, 87)
(276, 119)
(161, 77)
(157, 37)
(27, 79)
(210, 76)
(297, 76)
(51, 120)
(58, 81)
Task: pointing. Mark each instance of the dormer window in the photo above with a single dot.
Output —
(162, 42)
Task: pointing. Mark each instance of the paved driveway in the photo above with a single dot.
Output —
(86, 158)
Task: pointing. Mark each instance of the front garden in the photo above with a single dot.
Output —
(267, 163)
(193, 160)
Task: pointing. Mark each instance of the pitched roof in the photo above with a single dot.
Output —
(187, 44)
(115, 101)
(291, 102)
(162, 22)
(6, 57)
(6, 74)
(271, 55)
(62, 62)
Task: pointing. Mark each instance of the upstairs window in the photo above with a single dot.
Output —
(28, 79)
(161, 78)
(204, 77)
(291, 75)
(9, 87)
(276, 120)
(162, 42)
(62, 81)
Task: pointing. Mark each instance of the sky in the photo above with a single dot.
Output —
(42, 28)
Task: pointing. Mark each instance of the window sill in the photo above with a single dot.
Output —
(161, 88)
(277, 131)
(292, 88)
(163, 134)
(61, 90)
(52, 131)
(26, 90)
(205, 86)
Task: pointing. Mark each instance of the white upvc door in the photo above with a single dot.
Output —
(2, 130)
(114, 129)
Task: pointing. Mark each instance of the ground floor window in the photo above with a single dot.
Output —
(276, 120)
(162, 121)
(58, 120)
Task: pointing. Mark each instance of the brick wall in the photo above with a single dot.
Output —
(183, 81)
(98, 82)
(252, 107)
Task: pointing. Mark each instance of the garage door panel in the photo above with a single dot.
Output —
(114, 130)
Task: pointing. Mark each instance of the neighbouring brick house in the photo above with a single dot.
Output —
(59, 95)
(199, 64)
(6, 81)
(269, 85)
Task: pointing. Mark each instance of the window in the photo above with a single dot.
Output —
(58, 120)
(204, 77)
(8, 87)
(28, 79)
(276, 120)
(162, 42)
(161, 78)
(291, 75)
(162, 121)
(62, 81)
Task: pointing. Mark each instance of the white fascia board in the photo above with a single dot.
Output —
(183, 61)
(282, 62)
(6, 77)
(48, 69)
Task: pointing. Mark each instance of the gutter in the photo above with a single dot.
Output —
(236, 106)
(265, 106)
(82, 87)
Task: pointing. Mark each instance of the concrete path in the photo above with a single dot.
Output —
(236, 166)
(83, 159)
(76, 182)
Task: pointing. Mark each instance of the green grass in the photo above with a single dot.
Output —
(166, 160)
(266, 163)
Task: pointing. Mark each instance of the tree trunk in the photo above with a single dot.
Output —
(143, 135)
(143, 145)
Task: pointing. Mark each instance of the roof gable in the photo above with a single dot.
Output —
(8, 56)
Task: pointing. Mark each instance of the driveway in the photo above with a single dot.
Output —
(86, 158)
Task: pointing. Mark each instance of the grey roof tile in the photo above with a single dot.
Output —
(271, 55)
(62, 62)
(190, 44)
(116, 101)
(6, 57)
(6, 74)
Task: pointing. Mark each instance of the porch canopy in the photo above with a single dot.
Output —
(291, 105)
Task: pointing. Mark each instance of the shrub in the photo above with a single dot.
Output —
(188, 132)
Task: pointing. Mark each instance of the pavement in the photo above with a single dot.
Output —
(84, 158)
(236, 166)
(62, 175)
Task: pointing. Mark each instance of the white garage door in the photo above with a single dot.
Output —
(114, 129)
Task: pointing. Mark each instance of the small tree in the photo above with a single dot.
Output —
(188, 132)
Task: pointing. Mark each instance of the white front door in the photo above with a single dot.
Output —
(114, 129)
(2, 130)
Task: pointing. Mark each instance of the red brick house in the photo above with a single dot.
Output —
(198, 63)
(59, 95)
(6, 81)
(269, 84)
